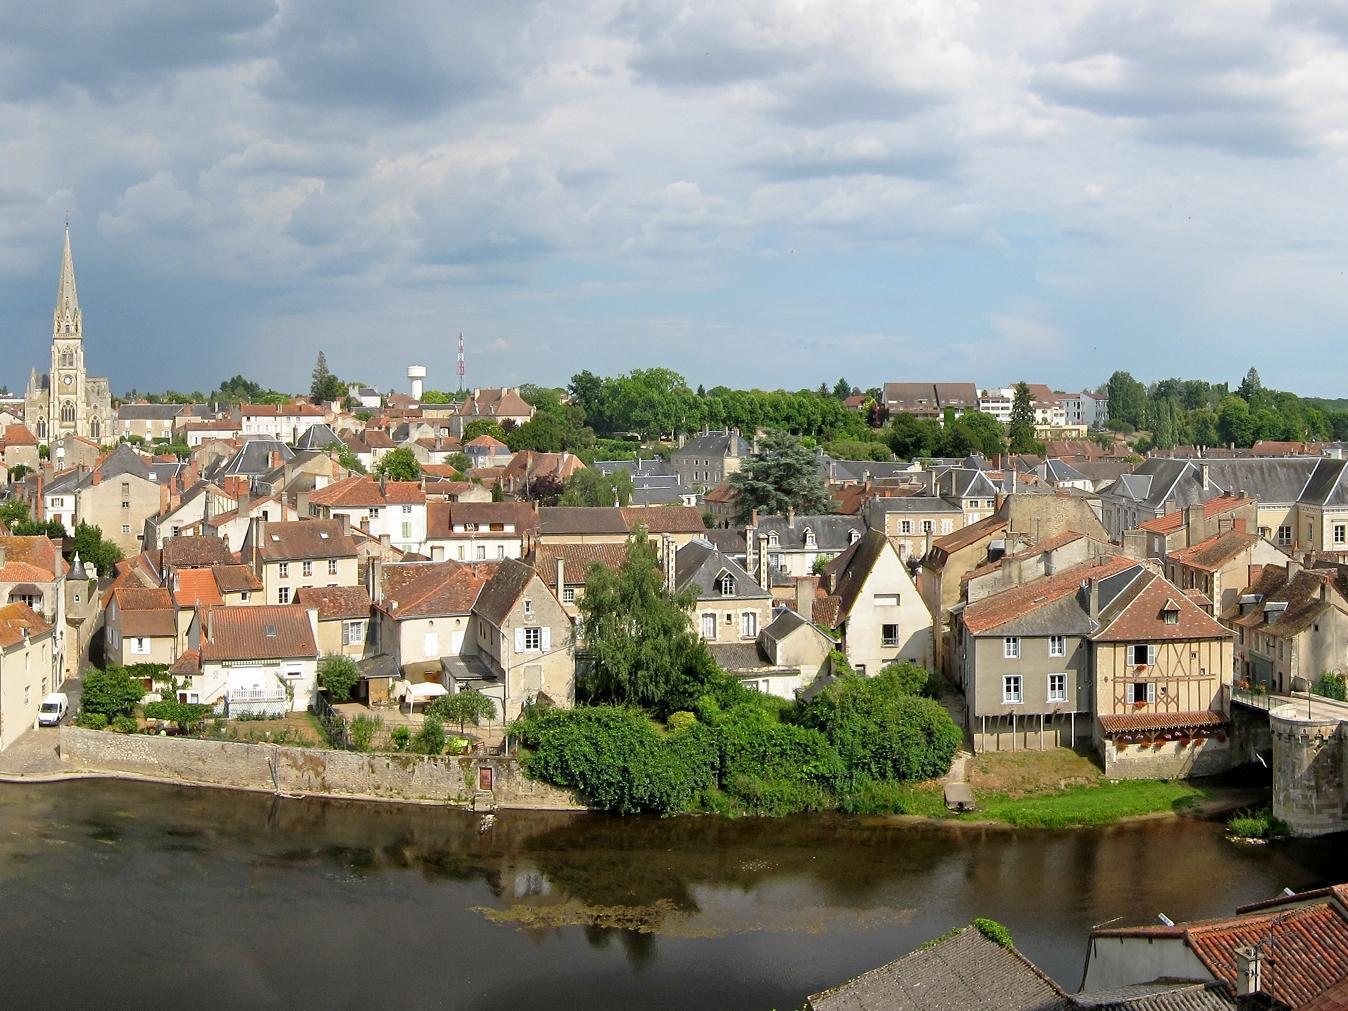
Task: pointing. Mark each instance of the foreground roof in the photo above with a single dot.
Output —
(263, 632)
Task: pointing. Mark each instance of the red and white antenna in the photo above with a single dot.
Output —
(459, 368)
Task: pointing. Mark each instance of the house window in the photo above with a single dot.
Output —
(748, 625)
(947, 526)
(1011, 648)
(126, 504)
(889, 635)
(307, 568)
(726, 585)
(1011, 690)
(709, 626)
(533, 638)
(905, 526)
(481, 552)
(332, 566)
(1340, 533)
(353, 633)
(886, 600)
(1284, 536)
(926, 526)
(528, 607)
(407, 510)
(1170, 616)
(1141, 654)
(245, 596)
(407, 530)
(1141, 691)
(126, 528)
(1057, 687)
(1057, 645)
(140, 646)
(569, 595)
(283, 570)
(500, 551)
(283, 595)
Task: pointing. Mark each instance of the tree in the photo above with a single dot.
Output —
(1250, 386)
(781, 476)
(111, 692)
(18, 472)
(1127, 400)
(1235, 426)
(93, 549)
(436, 397)
(592, 487)
(186, 715)
(459, 461)
(483, 426)
(430, 739)
(463, 707)
(399, 465)
(1020, 432)
(842, 389)
(13, 512)
(910, 437)
(339, 675)
(325, 386)
(640, 641)
(350, 460)
(971, 432)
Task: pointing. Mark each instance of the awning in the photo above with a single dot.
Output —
(1115, 723)
(423, 690)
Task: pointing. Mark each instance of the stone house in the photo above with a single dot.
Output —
(288, 556)
(1023, 660)
(706, 460)
(565, 567)
(120, 496)
(524, 637)
(343, 618)
(796, 543)
(944, 568)
(29, 668)
(283, 422)
(503, 405)
(784, 660)
(421, 613)
(913, 522)
(33, 573)
(396, 509)
(1290, 625)
(151, 421)
(260, 659)
(479, 531)
(141, 626)
(870, 597)
(1213, 571)
(1162, 680)
(731, 607)
(1185, 527)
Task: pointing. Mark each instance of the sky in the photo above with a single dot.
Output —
(760, 193)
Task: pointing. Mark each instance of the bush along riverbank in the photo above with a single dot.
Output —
(1256, 826)
(857, 745)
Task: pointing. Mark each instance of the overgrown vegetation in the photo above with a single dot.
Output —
(1331, 686)
(1258, 824)
(113, 692)
(339, 675)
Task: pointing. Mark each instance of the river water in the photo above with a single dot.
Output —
(159, 896)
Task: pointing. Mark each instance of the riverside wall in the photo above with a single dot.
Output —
(469, 781)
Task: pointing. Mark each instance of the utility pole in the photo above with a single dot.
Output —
(459, 367)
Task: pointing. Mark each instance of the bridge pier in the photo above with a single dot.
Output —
(1308, 772)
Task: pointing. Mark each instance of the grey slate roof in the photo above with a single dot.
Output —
(253, 459)
(1326, 485)
(966, 972)
(831, 533)
(498, 597)
(653, 467)
(1161, 995)
(860, 470)
(150, 412)
(786, 622)
(739, 656)
(561, 520)
(1060, 470)
(913, 504)
(124, 460)
(318, 436)
(700, 565)
(714, 445)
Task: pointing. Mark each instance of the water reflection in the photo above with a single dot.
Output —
(548, 909)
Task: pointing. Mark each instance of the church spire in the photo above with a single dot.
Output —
(67, 315)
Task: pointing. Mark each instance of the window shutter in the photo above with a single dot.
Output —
(547, 639)
(1132, 697)
(1151, 656)
(519, 640)
(1151, 691)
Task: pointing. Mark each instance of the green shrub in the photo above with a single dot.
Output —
(867, 796)
(401, 737)
(777, 798)
(882, 733)
(111, 691)
(680, 721)
(1331, 686)
(909, 679)
(430, 739)
(92, 721)
(339, 675)
(363, 730)
(618, 759)
(125, 724)
(186, 715)
(1257, 825)
(993, 931)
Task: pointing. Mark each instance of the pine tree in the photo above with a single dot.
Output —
(1021, 430)
(782, 475)
(325, 386)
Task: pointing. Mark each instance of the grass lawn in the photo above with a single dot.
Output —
(1058, 788)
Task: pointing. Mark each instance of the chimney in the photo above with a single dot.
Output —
(1294, 568)
(805, 591)
(668, 553)
(750, 542)
(344, 521)
(1195, 525)
(1135, 544)
(257, 529)
(561, 576)
(764, 562)
(1249, 971)
(1203, 474)
(1094, 594)
(3, 551)
(376, 577)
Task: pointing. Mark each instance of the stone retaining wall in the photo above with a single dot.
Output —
(310, 771)
(1308, 772)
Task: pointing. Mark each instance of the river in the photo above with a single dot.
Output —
(160, 896)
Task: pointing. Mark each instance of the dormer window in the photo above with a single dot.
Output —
(726, 584)
(809, 538)
(1170, 613)
(853, 536)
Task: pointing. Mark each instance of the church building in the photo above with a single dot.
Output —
(65, 401)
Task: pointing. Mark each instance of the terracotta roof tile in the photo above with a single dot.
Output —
(264, 632)
(15, 620)
(196, 552)
(1135, 615)
(990, 612)
(1113, 723)
(365, 492)
(1214, 552)
(1213, 507)
(196, 586)
(576, 560)
(669, 519)
(429, 589)
(236, 578)
(335, 601)
(297, 539)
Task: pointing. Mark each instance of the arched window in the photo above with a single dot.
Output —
(93, 428)
(41, 428)
(726, 584)
(67, 358)
(67, 411)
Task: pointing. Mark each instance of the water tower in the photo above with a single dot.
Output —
(416, 373)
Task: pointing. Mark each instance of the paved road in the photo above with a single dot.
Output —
(35, 752)
(1315, 708)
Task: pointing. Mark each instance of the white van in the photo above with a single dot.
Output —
(53, 710)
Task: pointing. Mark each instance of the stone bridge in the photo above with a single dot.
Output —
(1308, 738)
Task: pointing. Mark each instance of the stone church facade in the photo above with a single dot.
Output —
(67, 401)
